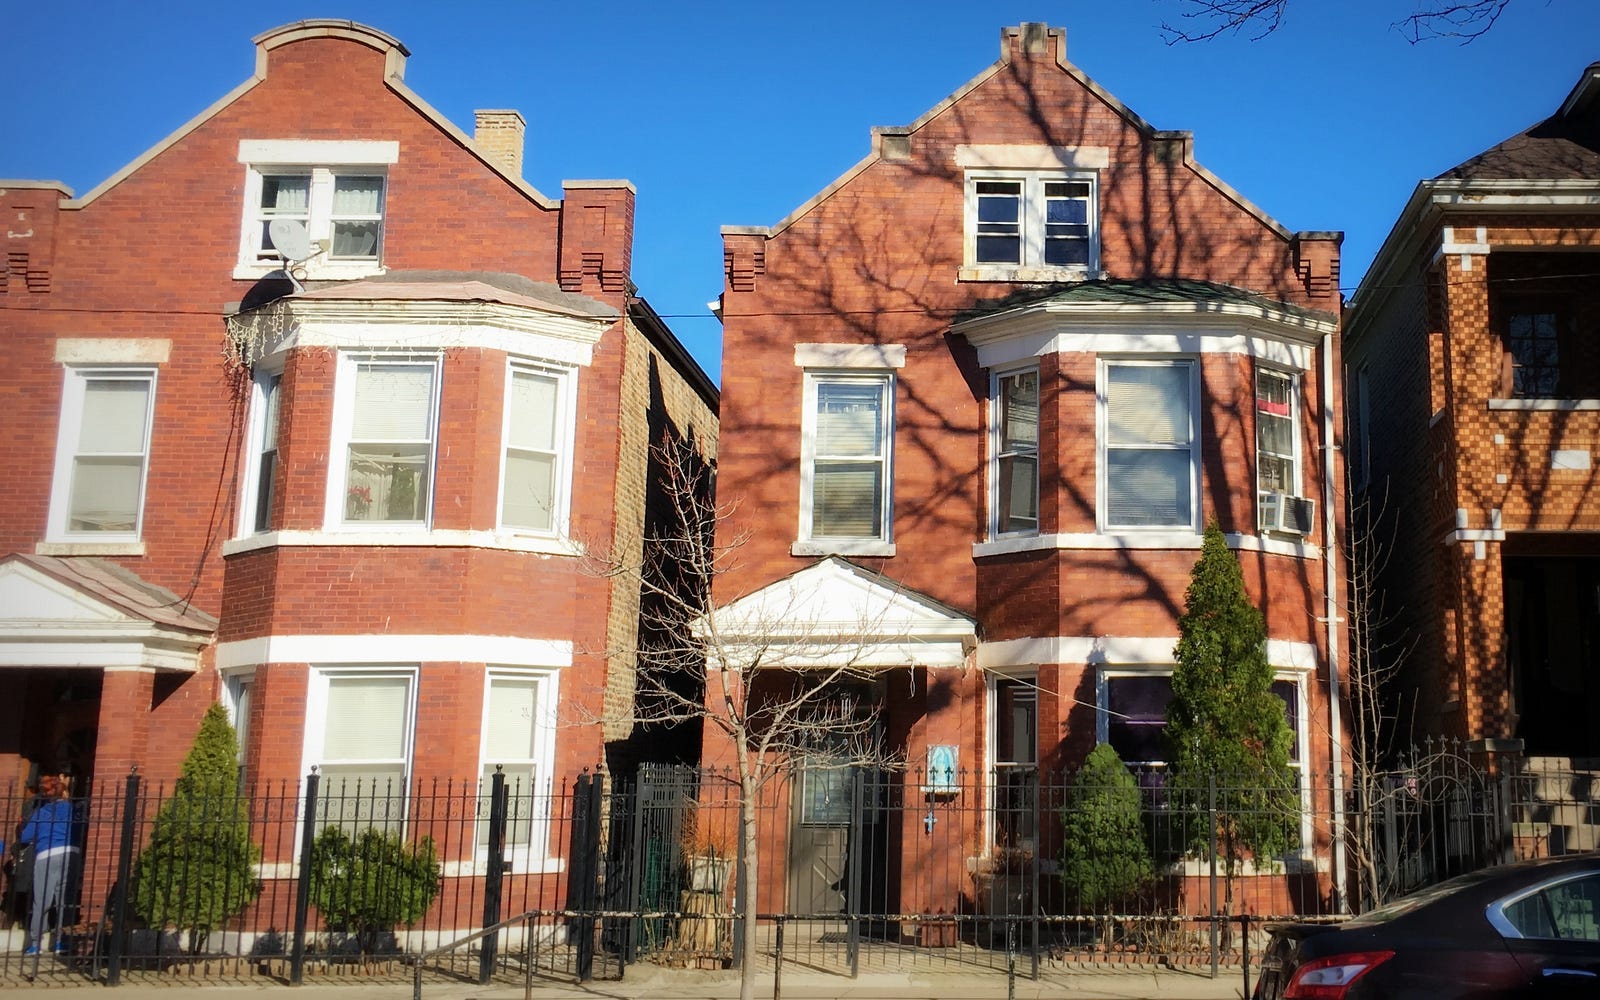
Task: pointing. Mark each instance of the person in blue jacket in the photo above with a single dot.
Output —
(53, 831)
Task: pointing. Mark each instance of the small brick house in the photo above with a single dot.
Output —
(314, 408)
(1473, 398)
(981, 395)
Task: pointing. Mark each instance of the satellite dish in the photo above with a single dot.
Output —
(289, 237)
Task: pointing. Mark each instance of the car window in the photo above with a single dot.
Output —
(1569, 910)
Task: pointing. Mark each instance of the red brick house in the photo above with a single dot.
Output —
(1473, 397)
(313, 408)
(981, 395)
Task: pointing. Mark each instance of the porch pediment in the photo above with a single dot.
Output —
(59, 612)
(835, 612)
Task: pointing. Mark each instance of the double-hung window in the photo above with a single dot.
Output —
(538, 441)
(1150, 467)
(359, 733)
(385, 420)
(1016, 761)
(1533, 339)
(263, 473)
(1277, 443)
(846, 463)
(1014, 472)
(340, 209)
(102, 454)
(1133, 714)
(1032, 219)
(518, 734)
(334, 192)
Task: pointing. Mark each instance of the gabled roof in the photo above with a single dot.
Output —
(1565, 146)
(835, 613)
(86, 612)
(1032, 34)
(395, 53)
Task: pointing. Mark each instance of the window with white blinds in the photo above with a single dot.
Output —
(389, 442)
(846, 469)
(103, 453)
(363, 744)
(1014, 470)
(516, 724)
(533, 487)
(1151, 461)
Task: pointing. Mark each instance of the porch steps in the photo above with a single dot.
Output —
(1558, 805)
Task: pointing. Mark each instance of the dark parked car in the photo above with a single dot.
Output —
(1530, 929)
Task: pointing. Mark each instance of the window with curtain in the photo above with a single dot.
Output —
(364, 746)
(1151, 471)
(342, 211)
(103, 453)
(1276, 446)
(514, 721)
(1015, 471)
(849, 457)
(267, 388)
(532, 489)
(389, 451)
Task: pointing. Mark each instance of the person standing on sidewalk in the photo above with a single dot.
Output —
(52, 831)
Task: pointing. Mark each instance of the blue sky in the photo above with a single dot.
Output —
(728, 113)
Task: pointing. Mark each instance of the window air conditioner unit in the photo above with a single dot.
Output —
(1290, 515)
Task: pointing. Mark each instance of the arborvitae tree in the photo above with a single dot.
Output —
(199, 868)
(367, 884)
(1225, 724)
(1105, 860)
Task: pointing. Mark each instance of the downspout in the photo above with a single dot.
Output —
(1330, 583)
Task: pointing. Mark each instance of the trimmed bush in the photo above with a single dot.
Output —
(199, 868)
(367, 884)
(1105, 861)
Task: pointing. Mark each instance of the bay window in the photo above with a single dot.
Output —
(1150, 463)
(1014, 470)
(385, 423)
(359, 730)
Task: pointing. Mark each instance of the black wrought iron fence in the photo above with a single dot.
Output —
(851, 868)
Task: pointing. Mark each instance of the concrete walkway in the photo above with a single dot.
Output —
(644, 983)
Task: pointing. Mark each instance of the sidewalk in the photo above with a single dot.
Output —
(666, 984)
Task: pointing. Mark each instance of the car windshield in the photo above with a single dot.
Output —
(1422, 897)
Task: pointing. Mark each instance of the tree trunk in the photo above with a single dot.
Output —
(747, 881)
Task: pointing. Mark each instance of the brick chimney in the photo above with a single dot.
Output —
(498, 134)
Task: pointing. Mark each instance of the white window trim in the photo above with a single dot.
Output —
(1102, 723)
(317, 710)
(1297, 458)
(323, 158)
(524, 857)
(566, 445)
(231, 681)
(74, 386)
(343, 423)
(1032, 266)
(806, 543)
(257, 427)
(1102, 433)
(996, 435)
(991, 729)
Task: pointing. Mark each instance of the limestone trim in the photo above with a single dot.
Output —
(385, 649)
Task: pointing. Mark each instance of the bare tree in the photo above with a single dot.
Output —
(1202, 20)
(771, 673)
(1378, 650)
